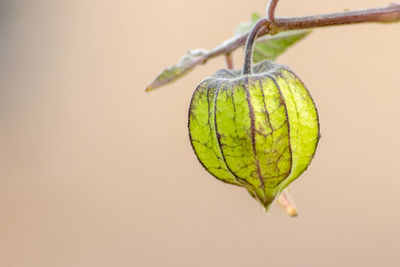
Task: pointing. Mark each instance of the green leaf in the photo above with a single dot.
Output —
(270, 47)
(184, 66)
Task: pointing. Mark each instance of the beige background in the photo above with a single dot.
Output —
(94, 172)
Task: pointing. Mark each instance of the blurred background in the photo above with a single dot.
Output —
(95, 172)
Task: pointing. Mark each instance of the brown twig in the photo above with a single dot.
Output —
(386, 14)
(274, 25)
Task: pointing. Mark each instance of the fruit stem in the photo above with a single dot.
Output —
(264, 23)
(271, 6)
(248, 51)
